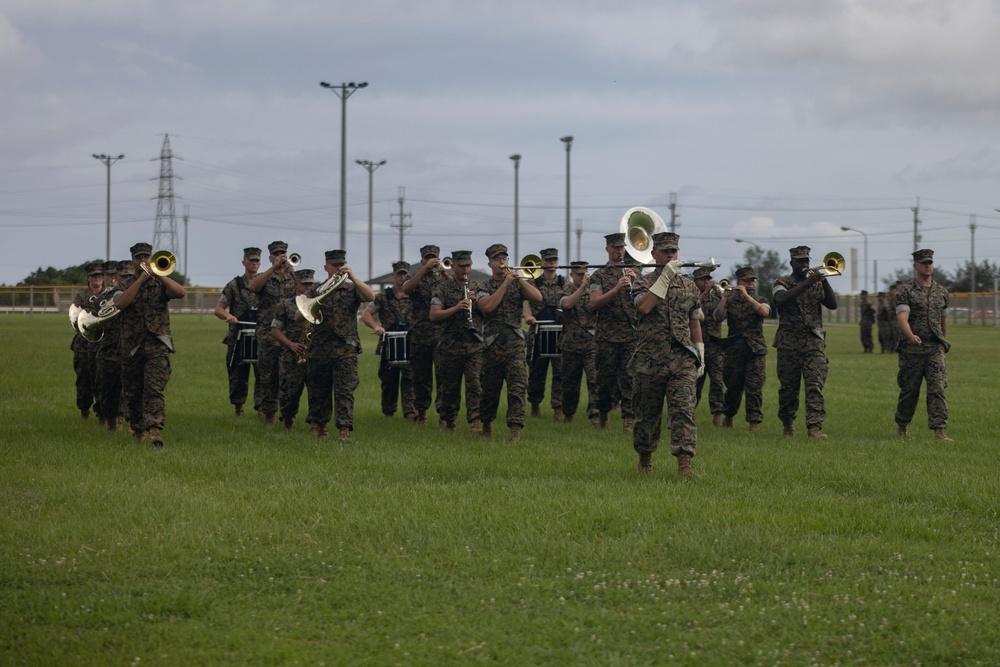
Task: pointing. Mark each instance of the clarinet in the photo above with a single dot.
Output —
(470, 326)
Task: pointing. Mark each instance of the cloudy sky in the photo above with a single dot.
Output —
(774, 121)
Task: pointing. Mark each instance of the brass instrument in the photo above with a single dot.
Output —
(445, 264)
(309, 306)
(639, 224)
(834, 264)
(306, 336)
(294, 259)
(723, 286)
(529, 268)
(162, 263)
(91, 326)
(74, 315)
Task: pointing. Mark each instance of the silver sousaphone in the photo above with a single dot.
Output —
(639, 224)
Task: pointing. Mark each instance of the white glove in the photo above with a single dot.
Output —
(660, 287)
(700, 347)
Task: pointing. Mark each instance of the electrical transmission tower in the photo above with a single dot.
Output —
(165, 232)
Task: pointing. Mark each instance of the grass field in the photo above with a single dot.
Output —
(242, 544)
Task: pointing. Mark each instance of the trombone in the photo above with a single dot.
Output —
(531, 266)
(833, 264)
(161, 264)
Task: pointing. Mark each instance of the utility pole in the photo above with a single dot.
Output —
(370, 167)
(402, 226)
(568, 140)
(673, 213)
(516, 158)
(165, 228)
(916, 221)
(187, 215)
(972, 269)
(108, 161)
(579, 235)
(343, 91)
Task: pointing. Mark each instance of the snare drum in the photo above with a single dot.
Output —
(246, 341)
(396, 348)
(547, 340)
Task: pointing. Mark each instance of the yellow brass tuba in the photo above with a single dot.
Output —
(638, 225)
(833, 265)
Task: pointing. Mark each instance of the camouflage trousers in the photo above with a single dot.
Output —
(796, 367)
(239, 379)
(144, 378)
(504, 362)
(613, 372)
(715, 357)
(85, 367)
(397, 388)
(913, 369)
(451, 368)
(267, 373)
(331, 382)
(675, 382)
(538, 372)
(574, 365)
(885, 337)
(744, 373)
(109, 381)
(866, 338)
(291, 384)
(422, 369)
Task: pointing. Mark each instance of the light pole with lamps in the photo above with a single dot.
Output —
(568, 140)
(756, 247)
(516, 157)
(108, 160)
(851, 229)
(343, 91)
(370, 167)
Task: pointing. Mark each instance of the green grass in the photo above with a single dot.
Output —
(243, 544)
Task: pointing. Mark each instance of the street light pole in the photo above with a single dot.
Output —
(568, 140)
(851, 229)
(343, 91)
(108, 161)
(370, 167)
(756, 247)
(516, 157)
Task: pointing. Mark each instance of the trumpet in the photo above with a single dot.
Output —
(723, 286)
(294, 259)
(161, 264)
(833, 264)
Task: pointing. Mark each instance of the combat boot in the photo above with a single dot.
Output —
(717, 419)
(754, 427)
(442, 424)
(816, 434)
(421, 418)
(646, 462)
(788, 429)
(155, 437)
(604, 421)
(536, 411)
(345, 434)
(487, 429)
(137, 435)
(476, 427)
(901, 431)
(515, 434)
(313, 429)
(239, 409)
(684, 466)
(84, 413)
(102, 422)
(288, 422)
(727, 421)
(322, 430)
(567, 419)
(559, 417)
(114, 424)
(595, 421)
(628, 424)
(939, 434)
(449, 425)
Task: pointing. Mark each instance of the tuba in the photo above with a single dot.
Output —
(638, 225)
(309, 305)
(833, 264)
(91, 326)
(74, 315)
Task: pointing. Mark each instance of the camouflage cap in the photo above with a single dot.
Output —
(336, 256)
(110, 267)
(864, 292)
(496, 249)
(923, 255)
(430, 251)
(666, 241)
(579, 266)
(702, 272)
(461, 257)
(126, 268)
(746, 273)
(401, 267)
(616, 240)
(799, 252)
(305, 276)
(277, 247)
(141, 249)
(548, 253)
(251, 254)
(95, 269)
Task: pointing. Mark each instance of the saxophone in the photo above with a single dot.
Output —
(306, 335)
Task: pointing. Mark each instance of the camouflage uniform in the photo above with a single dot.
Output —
(424, 337)
(503, 354)
(801, 344)
(279, 287)
(538, 367)
(867, 321)
(616, 342)
(746, 355)
(242, 303)
(393, 311)
(332, 374)
(883, 314)
(665, 366)
(146, 346)
(579, 353)
(460, 354)
(85, 359)
(292, 373)
(109, 365)
(925, 362)
(715, 354)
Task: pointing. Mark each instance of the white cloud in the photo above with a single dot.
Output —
(18, 56)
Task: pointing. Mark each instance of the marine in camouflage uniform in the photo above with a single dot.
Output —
(746, 350)
(715, 352)
(895, 335)
(550, 286)
(293, 332)
(669, 353)
(109, 360)
(611, 300)
(501, 299)
(801, 342)
(424, 334)
(146, 344)
(882, 315)
(922, 309)
(126, 272)
(460, 353)
(334, 346)
(867, 322)
(85, 352)
(237, 304)
(392, 308)
(273, 286)
(579, 348)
